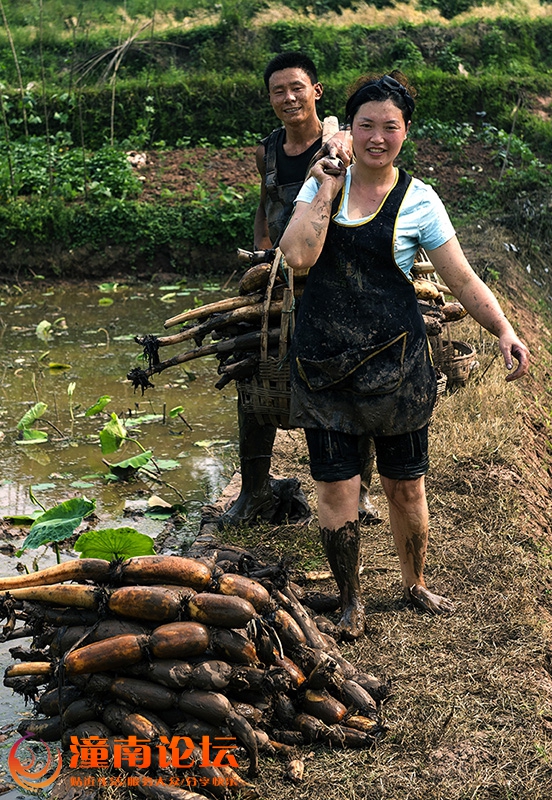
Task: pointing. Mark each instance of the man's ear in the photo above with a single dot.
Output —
(318, 91)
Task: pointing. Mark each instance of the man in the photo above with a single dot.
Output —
(283, 159)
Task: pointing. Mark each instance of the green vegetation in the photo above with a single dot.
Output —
(59, 523)
(207, 219)
(111, 216)
(83, 82)
(113, 77)
(56, 524)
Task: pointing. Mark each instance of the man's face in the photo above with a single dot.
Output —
(293, 96)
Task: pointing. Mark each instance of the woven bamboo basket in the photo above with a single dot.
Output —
(456, 359)
(441, 382)
(267, 393)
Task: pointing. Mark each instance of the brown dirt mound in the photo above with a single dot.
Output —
(172, 175)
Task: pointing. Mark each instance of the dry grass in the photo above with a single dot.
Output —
(363, 14)
(471, 714)
(400, 13)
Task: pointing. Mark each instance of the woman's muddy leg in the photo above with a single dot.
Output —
(340, 535)
(342, 548)
(408, 518)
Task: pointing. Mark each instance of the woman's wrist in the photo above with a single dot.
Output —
(329, 187)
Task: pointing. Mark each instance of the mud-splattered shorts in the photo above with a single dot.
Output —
(336, 456)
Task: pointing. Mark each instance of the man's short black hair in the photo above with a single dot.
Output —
(291, 60)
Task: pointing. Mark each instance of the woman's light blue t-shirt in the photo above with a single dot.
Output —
(422, 221)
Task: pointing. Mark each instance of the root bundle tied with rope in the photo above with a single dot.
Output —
(250, 333)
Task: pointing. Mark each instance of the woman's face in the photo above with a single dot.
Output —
(378, 131)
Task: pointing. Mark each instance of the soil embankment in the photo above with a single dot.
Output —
(180, 177)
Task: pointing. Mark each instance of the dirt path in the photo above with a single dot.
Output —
(472, 706)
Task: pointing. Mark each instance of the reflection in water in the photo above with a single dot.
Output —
(53, 337)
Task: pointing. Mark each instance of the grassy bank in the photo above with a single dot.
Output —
(472, 703)
(112, 76)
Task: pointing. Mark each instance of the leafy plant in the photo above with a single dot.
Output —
(160, 509)
(114, 543)
(57, 523)
(405, 53)
(142, 134)
(408, 154)
(44, 330)
(508, 148)
(27, 434)
(52, 166)
(452, 135)
(235, 14)
(127, 469)
(98, 406)
(112, 437)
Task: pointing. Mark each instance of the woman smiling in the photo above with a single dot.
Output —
(360, 362)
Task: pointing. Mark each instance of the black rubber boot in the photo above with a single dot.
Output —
(255, 499)
(342, 547)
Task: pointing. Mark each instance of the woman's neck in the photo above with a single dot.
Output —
(368, 190)
(373, 179)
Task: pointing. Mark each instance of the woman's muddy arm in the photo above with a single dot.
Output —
(305, 234)
(476, 297)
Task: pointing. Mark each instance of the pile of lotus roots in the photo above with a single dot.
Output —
(178, 650)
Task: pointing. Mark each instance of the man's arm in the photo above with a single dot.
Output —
(260, 227)
(339, 147)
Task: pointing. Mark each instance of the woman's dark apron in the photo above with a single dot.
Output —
(360, 361)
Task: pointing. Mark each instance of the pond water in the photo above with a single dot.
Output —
(66, 346)
(55, 335)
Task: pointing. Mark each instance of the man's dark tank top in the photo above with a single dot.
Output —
(284, 177)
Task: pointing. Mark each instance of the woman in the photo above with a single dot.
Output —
(360, 361)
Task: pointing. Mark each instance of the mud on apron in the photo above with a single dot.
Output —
(360, 360)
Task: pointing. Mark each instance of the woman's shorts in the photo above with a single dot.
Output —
(336, 456)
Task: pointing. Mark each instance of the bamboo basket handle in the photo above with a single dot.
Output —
(288, 317)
